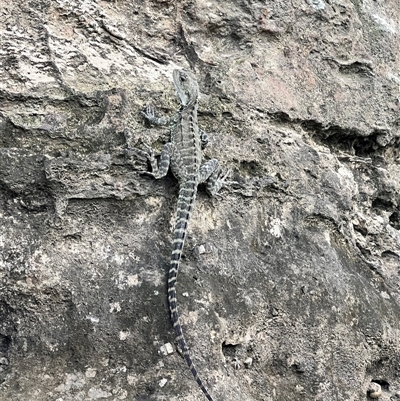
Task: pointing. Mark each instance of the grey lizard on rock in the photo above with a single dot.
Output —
(183, 154)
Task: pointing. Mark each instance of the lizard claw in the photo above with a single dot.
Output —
(225, 175)
(149, 151)
(148, 173)
(147, 154)
(151, 117)
(149, 113)
(220, 182)
(129, 152)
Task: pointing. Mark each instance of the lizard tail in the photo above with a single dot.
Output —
(186, 200)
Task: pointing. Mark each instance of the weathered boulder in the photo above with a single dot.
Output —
(290, 284)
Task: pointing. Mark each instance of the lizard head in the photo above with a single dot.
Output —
(186, 87)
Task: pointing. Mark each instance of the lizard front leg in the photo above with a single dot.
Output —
(149, 114)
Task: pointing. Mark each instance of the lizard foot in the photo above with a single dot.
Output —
(151, 117)
(147, 154)
(220, 181)
(149, 113)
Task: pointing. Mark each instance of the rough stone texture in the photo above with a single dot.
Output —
(290, 286)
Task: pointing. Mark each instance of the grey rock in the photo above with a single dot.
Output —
(291, 276)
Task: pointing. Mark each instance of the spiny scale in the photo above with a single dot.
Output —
(183, 154)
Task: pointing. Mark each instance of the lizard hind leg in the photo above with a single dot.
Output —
(159, 168)
(211, 173)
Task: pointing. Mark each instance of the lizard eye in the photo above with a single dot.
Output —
(183, 77)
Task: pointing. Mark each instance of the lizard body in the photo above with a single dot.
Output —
(183, 154)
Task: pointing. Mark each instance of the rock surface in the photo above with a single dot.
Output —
(290, 286)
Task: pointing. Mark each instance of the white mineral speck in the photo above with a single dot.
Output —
(248, 362)
(123, 335)
(166, 349)
(90, 372)
(162, 382)
(374, 390)
(3, 361)
(115, 307)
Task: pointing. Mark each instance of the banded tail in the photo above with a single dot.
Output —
(186, 200)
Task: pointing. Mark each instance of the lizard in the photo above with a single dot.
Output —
(183, 155)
